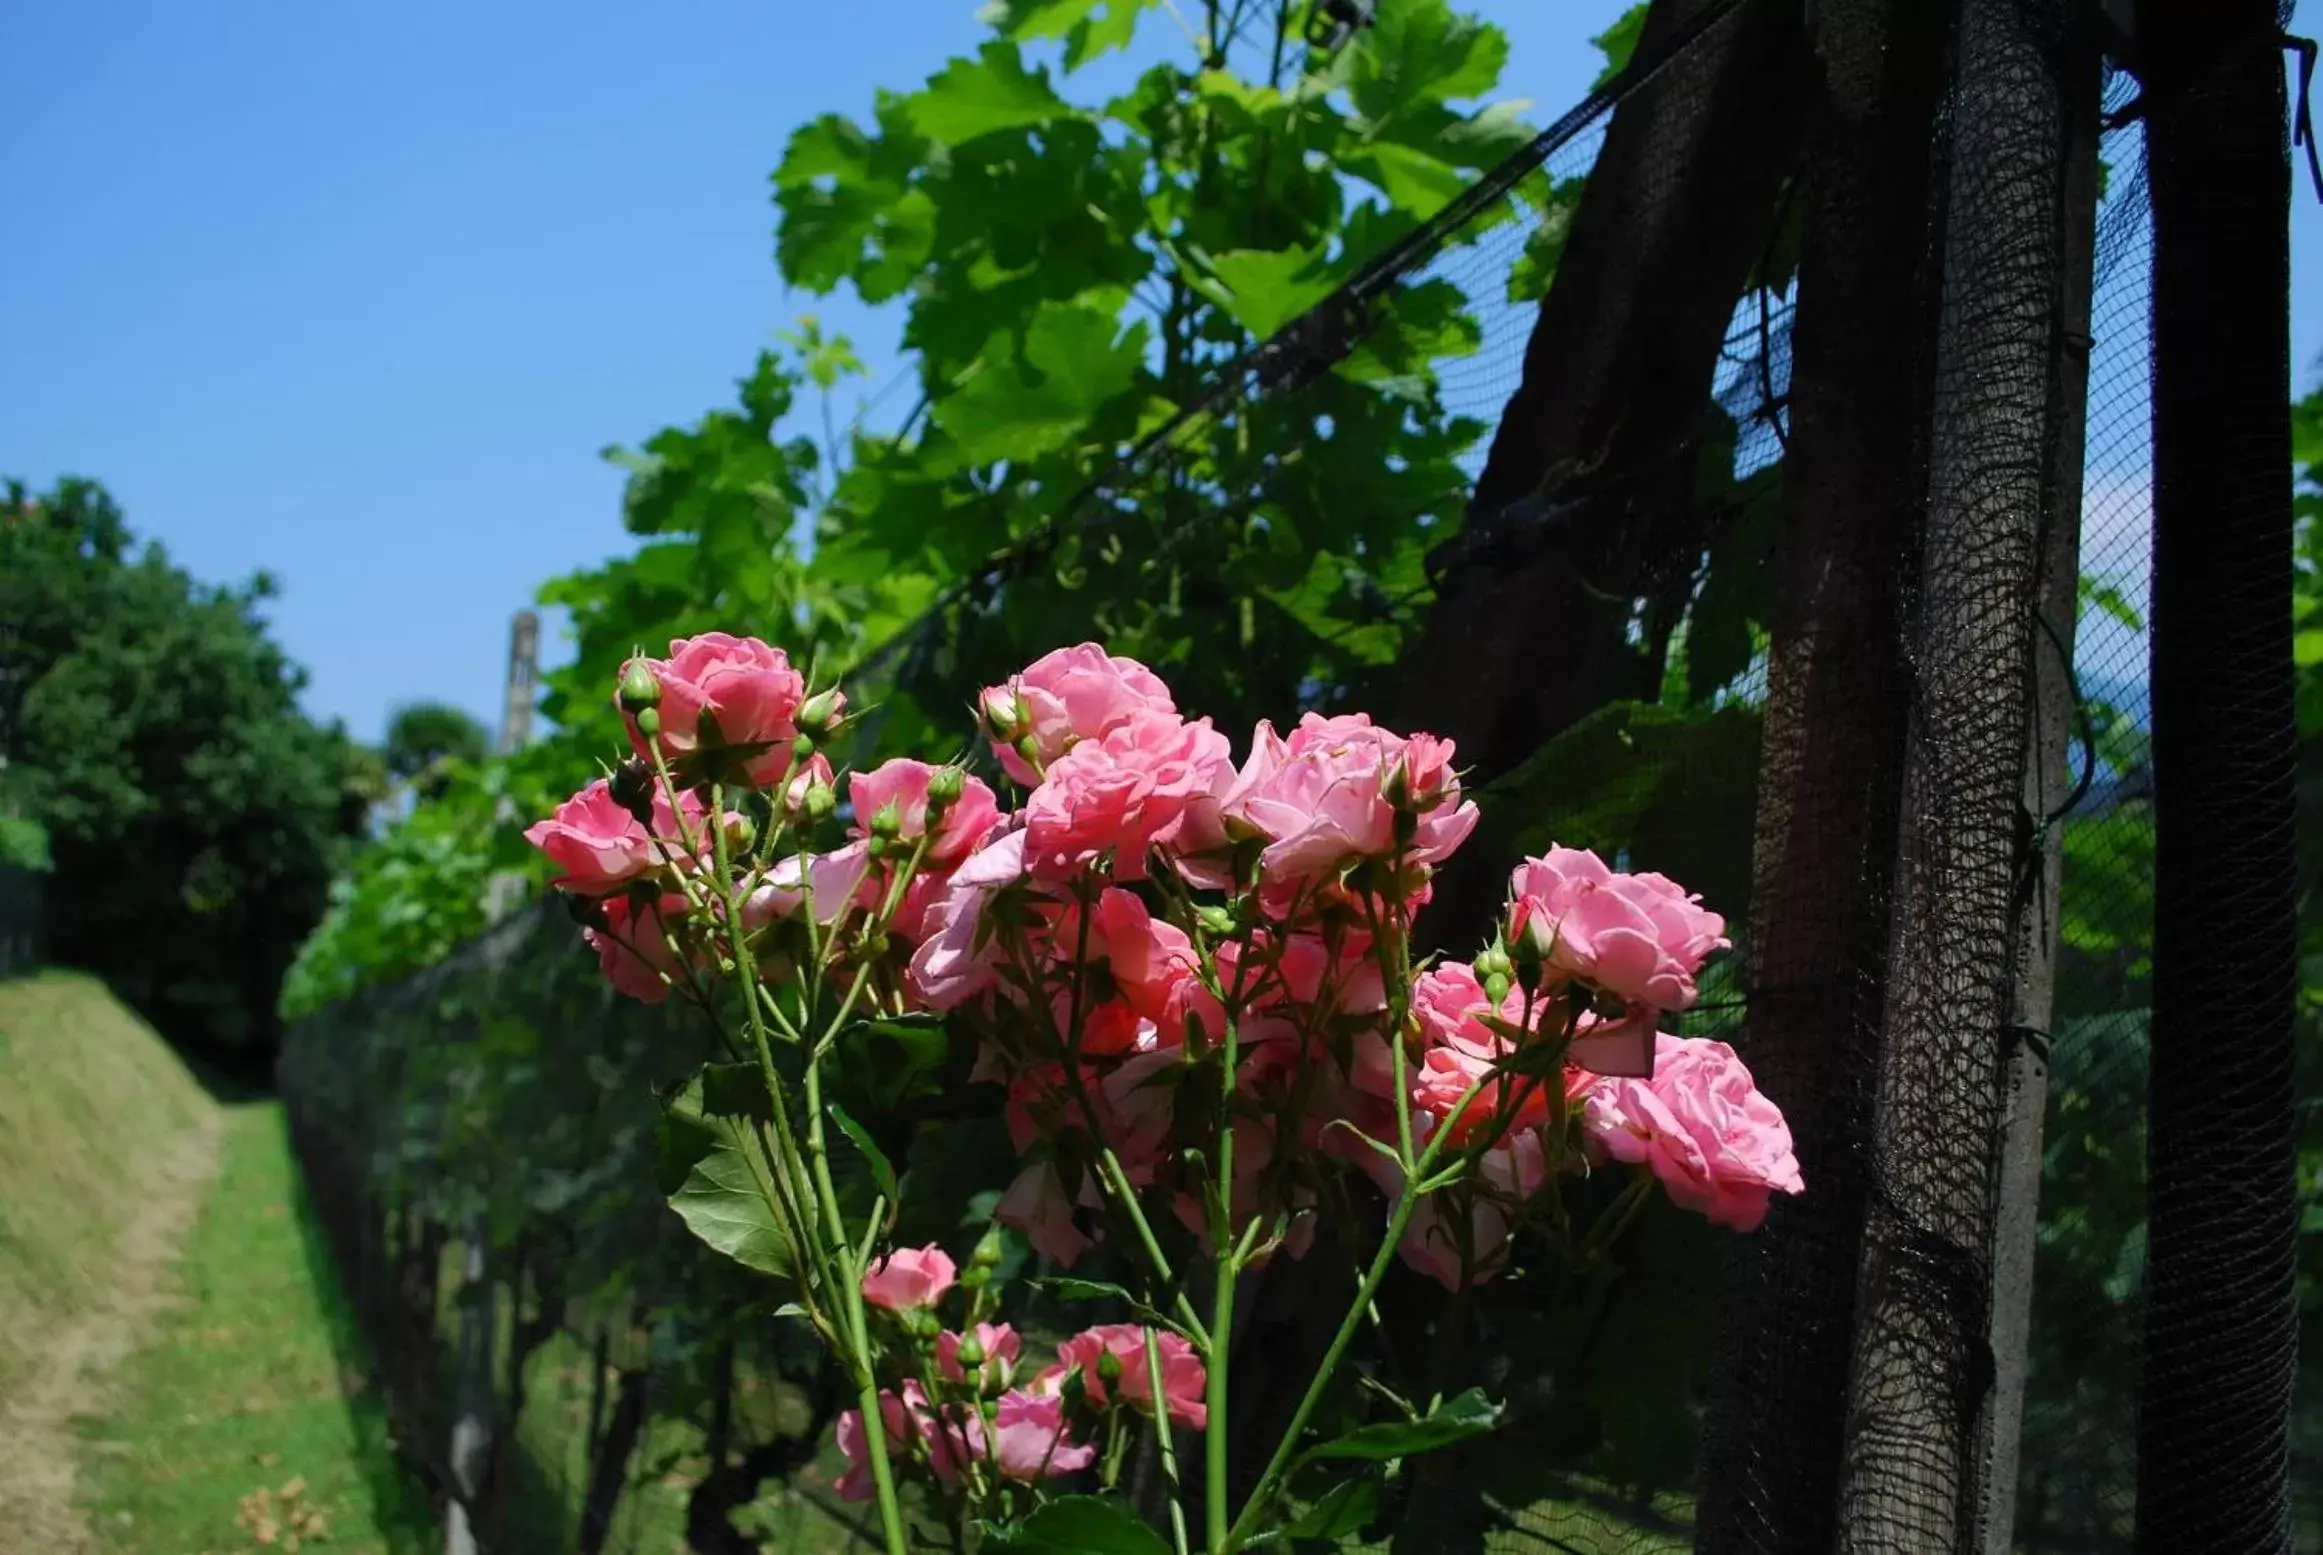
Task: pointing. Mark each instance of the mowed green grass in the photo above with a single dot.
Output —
(247, 1412)
(89, 1096)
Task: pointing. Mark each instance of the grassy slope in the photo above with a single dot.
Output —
(79, 1077)
(254, 1384)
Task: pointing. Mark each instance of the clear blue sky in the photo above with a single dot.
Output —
(355, 293)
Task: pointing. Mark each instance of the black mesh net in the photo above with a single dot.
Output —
(1771, 503)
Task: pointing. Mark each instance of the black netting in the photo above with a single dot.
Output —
(1773, 505)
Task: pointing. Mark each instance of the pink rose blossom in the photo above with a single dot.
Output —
(1074, 694)
(730, 694)
(1508, 1174)
(904, 783)
(1001, 1347)
(633, 948)
(1036, 1205)
(601, 847)
(1132, 965)
(1325, 799)
(905, 1418)
(1640, 938)
(1139, 1100)
(955, 959)
(1183, 1378)
(838, 880)
(909, 1277)
(1028, 1432)
(1120, 794)
(1717, 1143)
(1458, 1050)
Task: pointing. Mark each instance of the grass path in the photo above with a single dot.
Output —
(71, 1373)
(245, 1422)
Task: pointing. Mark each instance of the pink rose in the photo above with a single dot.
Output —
(909, 1277)
(1640, 938)
(837, 880)
(1139, 1101)
(725, 695)
(1426, 780)
(1326, 799)
(1458, 1050)
(1036, 1204)
(1073, 694)
(1509, 1173)
(1132, 967)
(633, 948)
(954, 962)
(1717, 1144)
(1001, 1348)
(1028, 1432)
(600, 847)
(905, 1418)
(1183, 1378)
(904, 784)
(1121, 794)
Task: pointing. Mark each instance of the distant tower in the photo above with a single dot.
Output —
(504, 892)
(523, 676)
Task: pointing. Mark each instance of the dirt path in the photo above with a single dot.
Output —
(38, 1445)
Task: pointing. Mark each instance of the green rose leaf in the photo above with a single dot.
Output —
(1077, 1525)
(723, 1200)
(1457, 1419)
(736, 1091)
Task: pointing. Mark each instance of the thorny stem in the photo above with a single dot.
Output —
(1269, 1481)
(1117, 1184)
(849, 1281)
(1162, 1441)
(1222, 1308)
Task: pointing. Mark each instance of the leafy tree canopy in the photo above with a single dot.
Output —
(151, 728)
(424, 738)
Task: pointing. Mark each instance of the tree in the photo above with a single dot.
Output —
(424, 738)
(194, 814)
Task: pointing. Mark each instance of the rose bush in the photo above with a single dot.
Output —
(1187, 987)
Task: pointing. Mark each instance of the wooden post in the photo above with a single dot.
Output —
(1921, 1423)
(1830, 764)
(2048, 789)
(2222, 1243)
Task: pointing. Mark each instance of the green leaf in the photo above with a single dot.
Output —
(1073, 360)
(1738, 591)
(1619, 42)
(884, 1063)
(1089, 27)
(680, 1145)
(724, 1201)
(1457, 1419)
(1340, 1512)
(736, 1091)
(1422, 52)
(882, 1170)
(2109, 601)
(1066, 1288)
(1077, 1525)
(1102, 34)
(1265, 289)
(1417, 181)
(994, 91)
(1676, 787)
(1535, 270)
(1023, 19)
